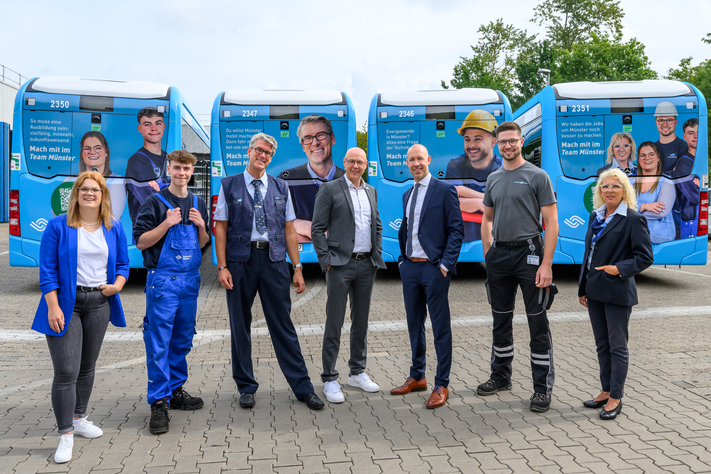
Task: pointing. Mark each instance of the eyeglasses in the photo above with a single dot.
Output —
(355, 162)
(669, 121)
(259, 151)
(651, 154)
(613, 187)
(617, 147)
(97, 149)
(512, 142)
(85, 190)
(321, 136)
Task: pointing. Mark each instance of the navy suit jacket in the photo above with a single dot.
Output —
(441, 230)
(58, 271)
(624, 242)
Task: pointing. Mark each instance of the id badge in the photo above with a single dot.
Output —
(532, 260)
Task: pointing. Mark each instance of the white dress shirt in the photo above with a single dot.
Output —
(417, 250)
(222, 211)
(362, 214)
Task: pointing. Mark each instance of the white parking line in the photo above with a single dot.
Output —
(680, 271)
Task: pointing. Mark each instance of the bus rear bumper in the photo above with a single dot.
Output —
(24, 252)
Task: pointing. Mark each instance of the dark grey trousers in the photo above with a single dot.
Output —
(353, 281)
(74, 357)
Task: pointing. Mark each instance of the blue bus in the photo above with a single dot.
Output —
(575, 130)
(51, 117)
(239, 114)
(457, 126)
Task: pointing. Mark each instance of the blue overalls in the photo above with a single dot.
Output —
(171, 305)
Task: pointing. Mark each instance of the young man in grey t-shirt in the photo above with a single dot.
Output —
(517, 195)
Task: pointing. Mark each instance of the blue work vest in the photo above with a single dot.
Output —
(240, 208)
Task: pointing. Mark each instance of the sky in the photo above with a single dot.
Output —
(361, 48)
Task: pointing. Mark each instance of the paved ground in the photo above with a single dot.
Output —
(665, 425)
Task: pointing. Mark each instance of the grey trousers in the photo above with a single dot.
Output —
(353, 281)
(74, 357)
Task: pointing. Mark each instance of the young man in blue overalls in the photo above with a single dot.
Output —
(170, 231)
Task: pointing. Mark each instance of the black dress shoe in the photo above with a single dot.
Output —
(595, 404)
(612, 414)
(312, 401)
(246, 400)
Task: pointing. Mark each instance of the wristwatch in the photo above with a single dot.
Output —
(298, 265)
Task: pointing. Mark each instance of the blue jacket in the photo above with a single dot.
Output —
(441, 231)
(58, 271)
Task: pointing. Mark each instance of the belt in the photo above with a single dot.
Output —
(418, 259)
(515, 243)
(260, 244)
(87, 289)
(360, 255)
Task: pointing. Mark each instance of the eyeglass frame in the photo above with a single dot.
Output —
(311, 138)
(261, 151)
(85, 190)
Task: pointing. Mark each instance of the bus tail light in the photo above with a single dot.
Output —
(213, 206)
(704, 214)
(15, 212)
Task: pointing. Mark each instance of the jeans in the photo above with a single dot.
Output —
(74, 357)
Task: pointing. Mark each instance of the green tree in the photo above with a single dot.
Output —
(603, 59)
(571, 22)
(493, 64)
(699, 76)
(362, 137)
(538, 55)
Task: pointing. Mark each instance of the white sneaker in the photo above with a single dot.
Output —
(86, 428)
(333, 392)
(363, 381)
(64, 451)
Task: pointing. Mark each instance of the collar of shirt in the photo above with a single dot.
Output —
(426, 180)
(352, 186)
(317, 179)
(621, 210)
(248, 178)
(630, 165)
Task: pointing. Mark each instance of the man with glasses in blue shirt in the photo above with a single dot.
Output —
(254, 231)
(316, 137)
(671, 147)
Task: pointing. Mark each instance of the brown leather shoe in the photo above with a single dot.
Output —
(410, 385)
(438, 397)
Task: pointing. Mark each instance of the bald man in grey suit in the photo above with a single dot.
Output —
(347, 209)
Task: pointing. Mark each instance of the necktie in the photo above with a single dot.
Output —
(411, 221)
(260, 217)
(597, 227)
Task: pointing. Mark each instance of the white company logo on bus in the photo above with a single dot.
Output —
(574, 222)
(40, 224)
(396, 224)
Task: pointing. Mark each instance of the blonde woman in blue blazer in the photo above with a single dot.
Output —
(83, 266)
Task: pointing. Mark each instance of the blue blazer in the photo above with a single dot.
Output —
(441, 230)
(58, 271)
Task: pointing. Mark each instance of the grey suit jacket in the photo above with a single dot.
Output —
(333, 213)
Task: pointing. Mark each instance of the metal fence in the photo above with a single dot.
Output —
(11, 76)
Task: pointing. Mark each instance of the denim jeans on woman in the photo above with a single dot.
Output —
(74, 357)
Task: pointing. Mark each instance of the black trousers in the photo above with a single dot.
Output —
(610, 324)
(506, 269)
(271, 280)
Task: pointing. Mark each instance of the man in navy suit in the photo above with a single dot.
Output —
(430, 239)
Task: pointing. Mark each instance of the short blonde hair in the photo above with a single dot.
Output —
(633, 150)
(105, 215)
(628, 194)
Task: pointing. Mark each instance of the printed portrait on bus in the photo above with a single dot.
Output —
(315, 134)
(468, 172)
(146, 170)
(656, 194)
(621, 154)
(96, 156)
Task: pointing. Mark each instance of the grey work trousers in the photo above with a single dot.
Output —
(74, 357)
(353, 281)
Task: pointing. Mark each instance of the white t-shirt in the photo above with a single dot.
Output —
(92, 257)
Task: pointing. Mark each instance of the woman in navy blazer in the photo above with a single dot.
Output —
(83, 266)
(617, 247)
